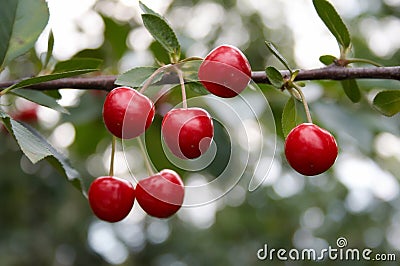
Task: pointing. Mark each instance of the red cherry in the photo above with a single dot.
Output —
(111, 198)
(225, 71)
(161, 195)
(28, 113)
(310, 150)
(127, 113)
(188, 132)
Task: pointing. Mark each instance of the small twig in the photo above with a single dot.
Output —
(333, 72)
(82, 83)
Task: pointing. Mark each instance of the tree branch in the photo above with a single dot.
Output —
(337, 73)
(326, 73)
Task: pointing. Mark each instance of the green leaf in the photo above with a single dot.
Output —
(190, 69)
(333, 22)
(275, 77)
(21, 22)
(50, 46)
(193, 89)
(289, 116)
(77, 64)
(30, 145)
(327, 59)
(55, 94)
(301, 84)
(115, 36)
(137, 76)
(351, 89)
(196, 87)
(7, 17)
(278, 55)
(147, 10)
(159, 53)
(50, 77)
(40, 98)
(387, 102)
(163, 33)
(36, 148)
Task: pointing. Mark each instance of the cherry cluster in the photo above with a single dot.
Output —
(127, 114)
(188, 133)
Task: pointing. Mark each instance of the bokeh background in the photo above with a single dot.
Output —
(44, 220)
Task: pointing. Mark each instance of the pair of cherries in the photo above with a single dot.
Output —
(188, 132)
(160, 195)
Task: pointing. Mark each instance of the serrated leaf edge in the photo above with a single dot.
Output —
(170, 50)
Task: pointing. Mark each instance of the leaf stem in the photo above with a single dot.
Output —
(113, 144)
(304, 101)
(5, 91)
(146, 158)
(343, 54)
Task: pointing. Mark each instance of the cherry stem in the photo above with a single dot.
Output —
(182, 82)
(146, 158)
(152, 76)
(304, 101)
(113, 142)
